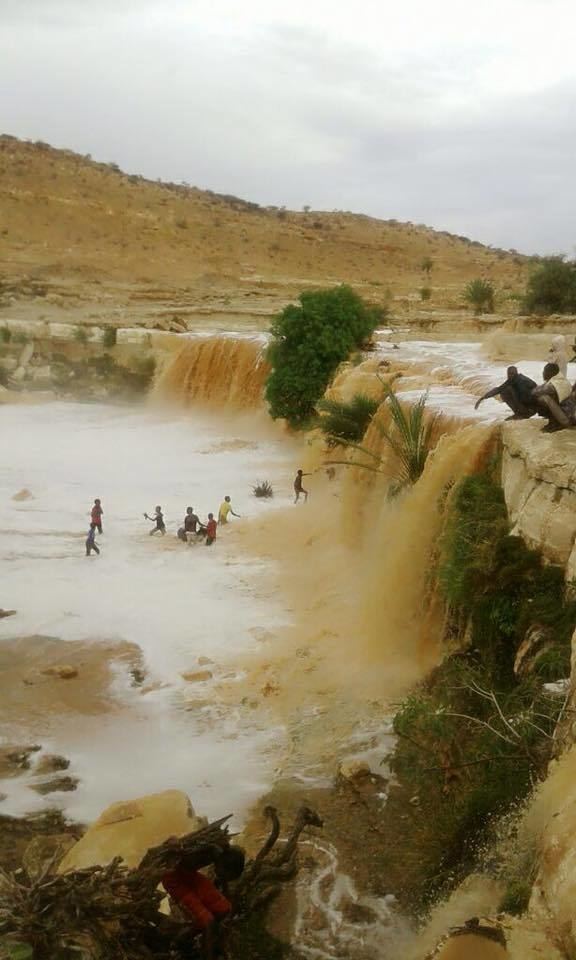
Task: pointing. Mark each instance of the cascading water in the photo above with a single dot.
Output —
(215, 370)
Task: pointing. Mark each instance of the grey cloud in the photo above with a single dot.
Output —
(290, 116)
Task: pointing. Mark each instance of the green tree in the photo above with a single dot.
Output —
(344, 423)
(480, 295)
(552, 287)
(309, 340)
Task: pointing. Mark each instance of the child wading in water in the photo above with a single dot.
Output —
(210, 530)
(90, 541)
(158, 520)
(96, 515)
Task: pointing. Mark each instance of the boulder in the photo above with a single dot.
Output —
(14, 759)
(63, 671)
(128, 829)
(63, 784)
(51, 763)
(353, 769)
(23, 494)
(197, 676)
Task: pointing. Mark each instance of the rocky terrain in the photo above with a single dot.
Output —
(84, 242)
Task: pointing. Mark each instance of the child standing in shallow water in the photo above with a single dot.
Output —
(158, 519)
(91, 541)
(210, 530)
(298, 488)
(96, 515)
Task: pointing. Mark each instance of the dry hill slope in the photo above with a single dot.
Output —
(83, 236)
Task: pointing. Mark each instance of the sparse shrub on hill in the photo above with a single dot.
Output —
(552, 287)
(110, 337)
(344, 423)
(426, 265)
(480, 294)
(309, 340)
(425, 293)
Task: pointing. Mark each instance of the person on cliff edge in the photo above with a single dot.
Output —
(516, 393)
(555, 399)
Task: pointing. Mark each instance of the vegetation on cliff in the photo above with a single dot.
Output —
(309, 340)
(408, 435)
(343, 422)
(474, 738)
(552, 287)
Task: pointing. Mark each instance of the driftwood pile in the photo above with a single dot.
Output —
(111, 913)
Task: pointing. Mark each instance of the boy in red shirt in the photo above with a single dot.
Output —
(211, 527)
(96, 515)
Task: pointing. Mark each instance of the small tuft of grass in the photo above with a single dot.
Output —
(263, 489)
(81, 335)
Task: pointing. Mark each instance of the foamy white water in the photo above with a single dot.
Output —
(174, 602)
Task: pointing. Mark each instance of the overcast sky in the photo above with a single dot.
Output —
(456, 114)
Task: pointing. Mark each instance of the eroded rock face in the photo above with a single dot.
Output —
(128, 829)
(539, 483)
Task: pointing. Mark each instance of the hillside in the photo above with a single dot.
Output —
(83, 236)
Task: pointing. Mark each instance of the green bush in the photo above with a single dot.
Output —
(425, 293)
(5, 334)
(497, 583)
(110, 337)
(552, 287)
(480, 295)
(346, 422)
(81, 334)
(309, 340)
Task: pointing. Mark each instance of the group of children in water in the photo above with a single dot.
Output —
(192, 529)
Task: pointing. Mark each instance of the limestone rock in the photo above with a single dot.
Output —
(536, 643)
(128, 829)
(197, 676)
(63, 671)
(23, 494)
(14, 759)
(539, 483)
(51, 763)
(63, 784)
(353, 769)
(44, 853)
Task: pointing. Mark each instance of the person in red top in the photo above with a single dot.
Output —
(197, 896)
(96, 515)
(211, 528)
